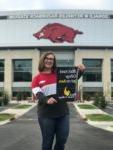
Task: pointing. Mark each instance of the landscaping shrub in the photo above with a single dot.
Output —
(1, 100)
(19, 96)
(5, 98)
(100, 101)
(96, 100)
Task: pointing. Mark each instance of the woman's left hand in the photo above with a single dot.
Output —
(81, 67)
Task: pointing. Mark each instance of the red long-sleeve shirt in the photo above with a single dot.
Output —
(46, 83)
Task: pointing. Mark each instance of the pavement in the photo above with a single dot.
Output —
(10, 109)
(105, 125)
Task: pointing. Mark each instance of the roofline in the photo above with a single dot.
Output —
(49, 10)
(52, 47)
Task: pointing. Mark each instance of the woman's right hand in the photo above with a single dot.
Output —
(51, 101)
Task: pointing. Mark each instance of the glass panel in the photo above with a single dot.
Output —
(111, 70)
(28, 94)
(22, 70)
(1, 70)
(67, 63)
(91, 95)
(93, 72)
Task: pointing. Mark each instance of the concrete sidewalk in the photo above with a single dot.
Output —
(10, 109)
(106, 125)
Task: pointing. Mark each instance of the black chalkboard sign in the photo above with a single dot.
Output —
(67, 83)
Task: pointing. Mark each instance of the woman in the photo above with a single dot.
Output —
(53, 115)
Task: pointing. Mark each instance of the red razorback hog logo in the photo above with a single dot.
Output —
(57, 33)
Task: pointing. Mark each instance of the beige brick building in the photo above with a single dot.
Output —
(20, 50)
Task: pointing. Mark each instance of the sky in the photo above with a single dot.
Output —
(55, 4)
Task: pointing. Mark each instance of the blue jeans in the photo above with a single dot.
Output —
(54, 127)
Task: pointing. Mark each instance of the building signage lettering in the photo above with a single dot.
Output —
(59, 16)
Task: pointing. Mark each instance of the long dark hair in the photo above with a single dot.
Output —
(41, 65)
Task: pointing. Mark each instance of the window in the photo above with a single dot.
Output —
(90, 95)
(1, 70)
(93, 71)
(111, 70)
(67, 63)
(21, 95)
(63, 57)
(22, 70)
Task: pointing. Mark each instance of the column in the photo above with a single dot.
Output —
(106, 78)
(35, 62)
(78, 60)
(8, 76)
